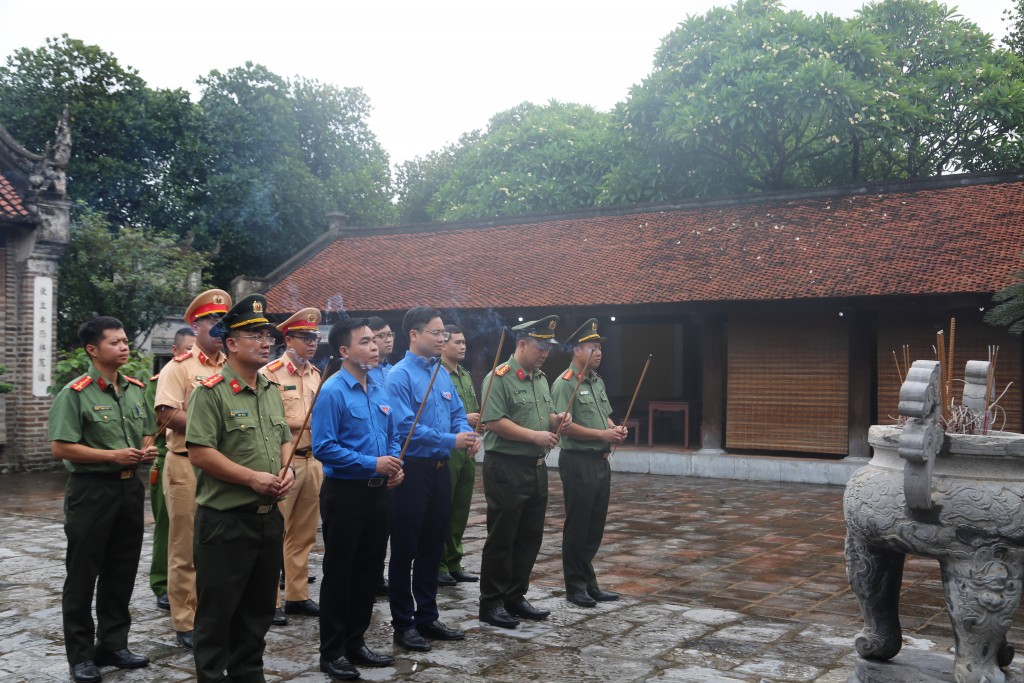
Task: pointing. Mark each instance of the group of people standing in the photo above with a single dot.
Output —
(258, 450)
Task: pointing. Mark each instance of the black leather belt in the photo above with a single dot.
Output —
(302, 452)
(123, 474)
(373, 482)
(430, 463)
(183, 454)
(254, 508)
(526, 458)
(573, 451)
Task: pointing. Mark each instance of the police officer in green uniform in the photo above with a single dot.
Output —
(98, 424)
(183, 341)
(462, 466)
(237, 437)
(583, 464)
(521, 424)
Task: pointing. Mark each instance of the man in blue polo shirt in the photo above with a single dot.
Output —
(354, 437)
(421, 508)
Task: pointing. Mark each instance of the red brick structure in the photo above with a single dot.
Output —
(34, 222)
(773, 317)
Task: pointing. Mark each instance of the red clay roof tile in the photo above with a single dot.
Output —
(10, 202)
(917, 241)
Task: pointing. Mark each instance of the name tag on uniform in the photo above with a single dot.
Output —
(584, 393)
(200, 378)
(520, 391)
(239, 413)
(102, 407)
(290, 387)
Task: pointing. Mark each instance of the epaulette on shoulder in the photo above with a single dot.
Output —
(500, 372)
(182, 356)
(154, 377)
(137, 382)
(276, 365)
(567, 375)
(81, 383)
(212, 381)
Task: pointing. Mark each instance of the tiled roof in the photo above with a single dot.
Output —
(11, 206)
(953, 239)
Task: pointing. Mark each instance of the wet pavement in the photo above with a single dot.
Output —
(720, 581)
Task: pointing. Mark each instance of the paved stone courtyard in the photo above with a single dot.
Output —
(721, 581)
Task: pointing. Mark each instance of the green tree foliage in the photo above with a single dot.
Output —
(417, 181)
(754, 98)
(275, 156)
(5, 387)
(125, 136)
(531, 158)
(135, 275)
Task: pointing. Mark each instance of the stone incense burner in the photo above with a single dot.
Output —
(956, 497)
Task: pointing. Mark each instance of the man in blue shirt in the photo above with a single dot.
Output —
(354, 437)
(421, 509)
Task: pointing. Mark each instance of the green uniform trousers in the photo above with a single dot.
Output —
(516, 490)
(462, 467)
(103, 522)
(586, 484)
(158, 563)
(238, 560)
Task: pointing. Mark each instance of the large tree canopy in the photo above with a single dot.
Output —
(275, 156)
(531, 158)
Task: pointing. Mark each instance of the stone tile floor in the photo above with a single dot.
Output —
(721, 581)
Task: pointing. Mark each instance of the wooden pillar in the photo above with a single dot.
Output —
(712, 431)
(861, 371)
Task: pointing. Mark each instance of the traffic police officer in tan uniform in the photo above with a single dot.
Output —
(174, 387)
(297, 379)
(237, 437)
(583, 464)
(100, 427)
(521, 422)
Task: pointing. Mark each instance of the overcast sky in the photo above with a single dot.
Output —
(432, 70)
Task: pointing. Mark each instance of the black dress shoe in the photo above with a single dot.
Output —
(446, 580)
(163, 602)
(304, 607)
(279, 618)
(382, 587)
(339, 669)
(439, 631)
(464, 577)
(411, 639)
(602, 596)
(85, 672)
(367, 657)
(122, 659)
(186, 639)
(498, 617)
(581, 598)
(522, 608)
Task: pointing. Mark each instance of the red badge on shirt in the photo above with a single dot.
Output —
(235, 386)
(447, 395)
(520, 374)
(384, 409)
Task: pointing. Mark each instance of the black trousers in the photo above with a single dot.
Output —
(516, 491)
(238, 560)
(421, 510)
(103, 522)
(355, 526)
(586, 485)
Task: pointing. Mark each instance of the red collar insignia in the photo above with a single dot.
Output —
(235, 386)
(203, 358)
(291, 368)
(520, 374)
(101, 383)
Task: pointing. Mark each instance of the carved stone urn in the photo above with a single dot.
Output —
(954, 497)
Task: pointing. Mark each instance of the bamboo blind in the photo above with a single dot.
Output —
(787, 385)
(972, 340)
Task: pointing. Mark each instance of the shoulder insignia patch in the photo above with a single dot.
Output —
(567, 375)
(500, 372)
(521, 374)
(276, 365)
(81, 383)
(235, 385)
(212, 381)
(182, 356)
(136, 382)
